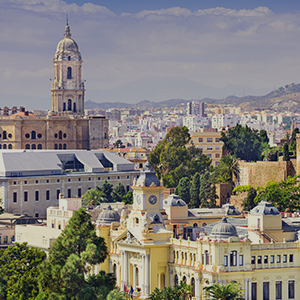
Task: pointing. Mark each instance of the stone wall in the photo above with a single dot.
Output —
(223, 191)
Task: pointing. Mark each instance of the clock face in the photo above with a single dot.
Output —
(138, 199)
(152, 199)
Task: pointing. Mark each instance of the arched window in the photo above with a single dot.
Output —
(10, 146)
(74, 107)
(55, 146)
(60, 146)
(136, 277)
(195, 225)
(40, 146)
(69, 104)
(33, 135)
(115, 270)
(65, 146)
(69, 58)
(60, 135)
(64, 106)
(27, 146)
(184, 279)
(233, 258)
(69, 74)
(4, 135)
(193, 286)
(206, 257)
(33, 146)
(176, 280)
(4, 146)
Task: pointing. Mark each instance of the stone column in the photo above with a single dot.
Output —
(197, 288)
(134, 276)
(246, 289)
(126, 267)
(122, 270)
(110, 266)
(250, 288)
(171, 278)
(144, 273)
(147, 286)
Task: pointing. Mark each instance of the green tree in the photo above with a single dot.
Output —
(207, 191)
(243, 142)
(286, 154)
(227, 170)
(118, 144)
(174, 158)
(179, 292)
(128, 198)
(117, 295)
(195, 190)
(107, 189)
(293, 142)
(118, 193)
(18, 272)
(66, 272)
(94, 197)
(249, 203)
(284, 195)
(263, 135)
(231, 291)
(183, 189)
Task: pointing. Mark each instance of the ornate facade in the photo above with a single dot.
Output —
(65, 126)
(261, 253)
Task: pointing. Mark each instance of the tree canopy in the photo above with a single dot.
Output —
(244, 142)
(207, 191)
(66, 272)
(231, 291)
(174, 158)
(18, 272)
(183, 189)
(179, 292)
(284, 195)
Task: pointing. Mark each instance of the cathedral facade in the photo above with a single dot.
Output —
(65, 126)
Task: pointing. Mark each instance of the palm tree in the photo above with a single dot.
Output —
(231, 291)
(228, 169)
(93, 197)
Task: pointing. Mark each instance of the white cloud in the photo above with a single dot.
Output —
(217, 46)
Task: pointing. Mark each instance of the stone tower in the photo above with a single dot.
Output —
(67, 87)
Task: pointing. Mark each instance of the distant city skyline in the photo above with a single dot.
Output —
(134, 50)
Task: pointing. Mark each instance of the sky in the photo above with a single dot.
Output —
(154, 50)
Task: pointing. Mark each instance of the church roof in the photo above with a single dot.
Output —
(264, 208)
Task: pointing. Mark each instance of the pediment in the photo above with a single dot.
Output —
(127, 237)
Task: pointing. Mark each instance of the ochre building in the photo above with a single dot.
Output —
(65, 126)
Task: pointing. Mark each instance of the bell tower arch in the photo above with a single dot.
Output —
(67, 87)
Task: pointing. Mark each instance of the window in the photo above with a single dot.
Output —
(79, 179)
(217, 140)
(57, 180)
(25, 196)
(209, 140)
(39, 135)
(254, 291)
(36, 215)
(69, 57)
(5, 239)
(209, 155)
(259, 260)
(9, 146)
(69, 104)
(99, 178)
(64, 146)
(209, 148)
(14, 182)
(47, 195)
(64, 106)
(272, 259)
(69, 73)
(36, 181)
(265, 259)
(233, 258)
(33, 135)
(241, 260)
(12, 239)
(57, 194)
(253, 260)
(266, 291)
(79, 193)
(69, 193)
(217, 155)
(36, 195)
(200, 140)
(291, 289)
(27, 135)
(89, 178)
(278, 258)
(284, 259)
(15, 197)
(74, 107)
(278, 290)
(291, 258)
(225, 260)
(60, 135)
(4, 135)
(55, 146)
(4, 146)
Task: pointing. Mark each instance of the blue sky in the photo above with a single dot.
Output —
(154, 50)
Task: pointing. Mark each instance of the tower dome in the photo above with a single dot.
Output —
(107, 216)
(67, 48)
(148, 177)
(223, 230)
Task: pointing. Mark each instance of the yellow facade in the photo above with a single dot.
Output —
(262, 256)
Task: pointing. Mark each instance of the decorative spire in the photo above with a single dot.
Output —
(67, 29)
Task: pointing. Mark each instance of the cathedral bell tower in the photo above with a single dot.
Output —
(67, 87)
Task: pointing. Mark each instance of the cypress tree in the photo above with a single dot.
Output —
(207, 191)
(183, 189)
(195, 189)
(286, 154)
